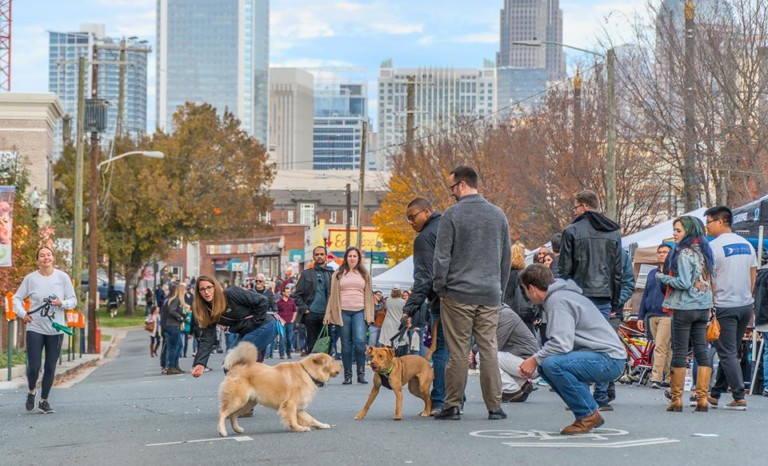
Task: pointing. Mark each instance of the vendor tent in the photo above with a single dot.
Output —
(400, 275)
(655, 235)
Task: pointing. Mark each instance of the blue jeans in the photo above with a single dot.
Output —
(765, 361)
(373, 336)
(172, 335)
(601, 389)
(353, 339)
(262, 336)
(232, 340)
(570, 375)
(439, 361)
(286, 339)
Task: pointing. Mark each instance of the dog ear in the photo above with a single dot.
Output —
(369, 350)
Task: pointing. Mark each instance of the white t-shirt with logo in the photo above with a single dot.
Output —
(734, 257)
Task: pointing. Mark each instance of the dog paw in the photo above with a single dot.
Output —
(424, 414)
(397, 418)
(359, 416)
(301, 429)
(323, 426)
(238, 429)
(222, 433)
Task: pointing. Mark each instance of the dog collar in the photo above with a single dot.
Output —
(310, 375)
(387, 371)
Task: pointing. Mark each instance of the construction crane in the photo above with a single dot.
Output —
(5, 45)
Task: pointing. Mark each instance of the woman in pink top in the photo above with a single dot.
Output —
(350, 306)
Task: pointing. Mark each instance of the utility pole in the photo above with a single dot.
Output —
(349, 213)
(577, 115)
(610, 149)
(77, 243)
(689, 158)
(410, 115)
(361, 190)
(93, 244)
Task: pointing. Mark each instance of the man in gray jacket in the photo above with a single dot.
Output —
(581, 347)
(516, 343)
(471, 268)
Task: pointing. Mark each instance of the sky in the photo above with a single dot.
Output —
(314, 33)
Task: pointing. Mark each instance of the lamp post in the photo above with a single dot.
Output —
(610, 136)
(93, 253)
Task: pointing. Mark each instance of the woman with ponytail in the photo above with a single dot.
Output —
(689, 300)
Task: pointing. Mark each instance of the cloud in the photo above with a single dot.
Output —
(479, 38)
(426, 41)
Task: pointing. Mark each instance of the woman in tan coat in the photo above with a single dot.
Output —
(350, 306)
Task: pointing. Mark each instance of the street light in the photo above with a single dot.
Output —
(610, 137)
(93, 253)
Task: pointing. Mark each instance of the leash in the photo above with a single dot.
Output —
(433, 345)
(45, 311)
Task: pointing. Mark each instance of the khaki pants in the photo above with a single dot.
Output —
(661, 330)
(460, 322)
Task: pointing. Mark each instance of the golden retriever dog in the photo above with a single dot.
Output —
(393, 373)
(288, 387)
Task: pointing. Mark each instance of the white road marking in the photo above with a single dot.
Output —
(240, 438)
(627, 444)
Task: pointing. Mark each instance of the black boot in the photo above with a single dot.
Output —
(361, 375)
(347, 377)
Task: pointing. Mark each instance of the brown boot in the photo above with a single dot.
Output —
(584, 425)
(676, 384)
(703, 377)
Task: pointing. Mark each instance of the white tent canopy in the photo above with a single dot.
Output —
(400, 275)
(653, 236)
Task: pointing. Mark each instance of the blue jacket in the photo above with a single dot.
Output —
(653, 298)
(690, 288)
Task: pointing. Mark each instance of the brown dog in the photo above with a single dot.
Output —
(287, 388)
(393, 373)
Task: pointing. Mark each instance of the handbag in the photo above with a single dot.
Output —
(149, 326)
(713, 329)
(323, 343)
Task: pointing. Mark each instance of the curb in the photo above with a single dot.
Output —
(18, 373)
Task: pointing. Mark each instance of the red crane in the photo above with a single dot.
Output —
(5, 45)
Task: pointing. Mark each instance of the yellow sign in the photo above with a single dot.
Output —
(370, 240)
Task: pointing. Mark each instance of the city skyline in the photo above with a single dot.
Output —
(309, 34)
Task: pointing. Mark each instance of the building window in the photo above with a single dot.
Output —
(290, 216)
(353, 221)
(306, 214)
(265, 217)
(333, 217)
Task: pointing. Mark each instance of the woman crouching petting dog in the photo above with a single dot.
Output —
(243, 311)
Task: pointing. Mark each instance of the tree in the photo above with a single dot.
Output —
(213, 182)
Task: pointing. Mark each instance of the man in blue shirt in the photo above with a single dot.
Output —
(659, 322)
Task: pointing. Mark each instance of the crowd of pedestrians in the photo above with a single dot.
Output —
(475, 302)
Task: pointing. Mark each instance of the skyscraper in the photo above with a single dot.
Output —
(523, 71)
(441, 96)
(341, 108)
(64, 50)
(291, 117)
(214, 52)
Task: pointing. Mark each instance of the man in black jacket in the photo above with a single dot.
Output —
(590, 255)
(425, 221)
(311, 294)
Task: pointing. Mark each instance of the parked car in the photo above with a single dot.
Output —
(103, 287)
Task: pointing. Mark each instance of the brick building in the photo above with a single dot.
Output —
(27, 123)
(309, 208)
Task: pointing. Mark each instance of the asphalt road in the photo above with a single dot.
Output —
(126, 413)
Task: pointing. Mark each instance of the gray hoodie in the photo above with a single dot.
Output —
(575, 324)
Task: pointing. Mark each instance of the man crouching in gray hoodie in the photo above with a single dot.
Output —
(581, 347)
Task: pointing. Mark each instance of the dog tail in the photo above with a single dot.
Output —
(433, 346)
(243, 353)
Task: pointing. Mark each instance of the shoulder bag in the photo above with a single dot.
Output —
(323, 343)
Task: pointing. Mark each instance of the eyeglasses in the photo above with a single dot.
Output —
(713, 220)
(411, 218)
(206, 289)
(450, 188)
(576, 207)
(259, 281)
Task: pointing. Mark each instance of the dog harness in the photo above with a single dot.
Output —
(385, 376)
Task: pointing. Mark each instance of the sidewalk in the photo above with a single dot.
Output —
(66, 368)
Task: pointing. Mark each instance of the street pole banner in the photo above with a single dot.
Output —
(7, 194)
